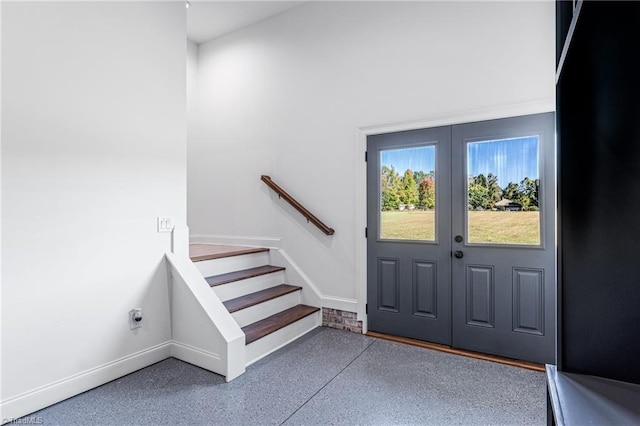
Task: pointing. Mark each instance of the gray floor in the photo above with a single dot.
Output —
(327, 377)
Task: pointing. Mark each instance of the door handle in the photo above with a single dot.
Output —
(458, 254)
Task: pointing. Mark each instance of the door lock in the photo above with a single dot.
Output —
(458, 238)
(458, 254)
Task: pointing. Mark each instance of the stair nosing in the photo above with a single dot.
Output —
(250, 340)
(250, 273)
(287, 289)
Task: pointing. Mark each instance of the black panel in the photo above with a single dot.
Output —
(564, 13)
(599, 176)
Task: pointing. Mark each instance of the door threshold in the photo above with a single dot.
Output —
(442, 348)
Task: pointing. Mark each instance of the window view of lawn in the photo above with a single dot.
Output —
(504, 227)
(408, 225)
(500, 211)
(507, 227)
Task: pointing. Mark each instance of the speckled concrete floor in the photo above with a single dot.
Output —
(327, 377)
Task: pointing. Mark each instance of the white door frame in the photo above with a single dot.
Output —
(514, 110)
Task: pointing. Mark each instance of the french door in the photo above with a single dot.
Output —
(461, 240)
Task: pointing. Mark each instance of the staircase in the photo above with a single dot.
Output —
(269, 312)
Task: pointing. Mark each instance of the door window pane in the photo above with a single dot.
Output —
(408, 193)
(503, 186)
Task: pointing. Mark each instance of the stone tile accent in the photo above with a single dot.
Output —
(343, 320)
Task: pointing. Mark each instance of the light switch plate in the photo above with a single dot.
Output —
(165, 224)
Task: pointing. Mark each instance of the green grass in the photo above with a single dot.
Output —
(484, 227)
(408, 225)
(504, 227)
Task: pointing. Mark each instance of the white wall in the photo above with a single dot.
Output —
(192, 83)
(93, 150)
(286, 97)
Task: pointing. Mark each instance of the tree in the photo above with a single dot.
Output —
(478, 197)
(495, 192)
(511, 191)
(480, 180)
(528, 190)
(427, 193)
(409, 192)
(525, 193)
(413, 188)
(390, 185)
(484, 192)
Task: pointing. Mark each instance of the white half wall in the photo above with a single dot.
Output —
(204, 333)
(290, 96)
(93, 150)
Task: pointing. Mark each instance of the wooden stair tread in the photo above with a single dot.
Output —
(199, 252)
(275, 322)
(253, 299)
(243, 274)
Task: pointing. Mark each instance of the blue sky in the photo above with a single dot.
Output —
(416, 159)
(510, 159)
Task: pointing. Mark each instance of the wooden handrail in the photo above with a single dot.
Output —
(296, 205)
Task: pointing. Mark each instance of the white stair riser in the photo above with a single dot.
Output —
(274, 341)
(231, 264)
(249, 285)
(262, 310)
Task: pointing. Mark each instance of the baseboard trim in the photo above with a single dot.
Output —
(198, 357)
(310, 292)
(235, 240)
(44, 396)
(340, 303)
(442, 348)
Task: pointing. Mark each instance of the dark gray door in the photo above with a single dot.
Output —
(463, 254)
(409, 234)
(503, 286)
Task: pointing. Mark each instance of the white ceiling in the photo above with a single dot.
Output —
(207, 20)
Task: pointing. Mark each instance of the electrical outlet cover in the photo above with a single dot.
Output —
(133, 324)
